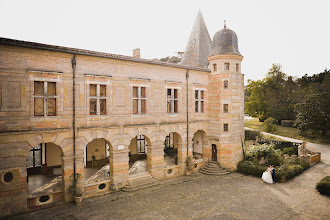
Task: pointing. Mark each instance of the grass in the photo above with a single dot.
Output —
(282, 131)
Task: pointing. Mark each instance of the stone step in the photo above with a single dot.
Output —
(213, 168)
(219, 173)
(213, 171)
(130, 188)
(140, 181)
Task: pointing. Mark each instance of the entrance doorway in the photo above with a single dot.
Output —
(214, 153)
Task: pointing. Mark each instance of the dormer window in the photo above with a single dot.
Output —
(237, 67)
(214, 67)
(226, 66)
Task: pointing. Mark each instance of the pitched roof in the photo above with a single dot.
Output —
(199, 44)
(33, 45)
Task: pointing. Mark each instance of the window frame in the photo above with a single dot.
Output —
(237, 67)
(32, 151)
(226, 66)
(225, 127)
(200, 101)
(45, 98)
(173, 100)
(215, 68)
(224, 84)
(139, 99)
(225, 108)
(98, 97)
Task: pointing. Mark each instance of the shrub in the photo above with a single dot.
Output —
(324, 186)
(291, 169)
(251, 134)
(270, 124)
(255, 152)
(289, 150)
(251, 168)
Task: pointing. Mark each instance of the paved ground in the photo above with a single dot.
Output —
(233, 196)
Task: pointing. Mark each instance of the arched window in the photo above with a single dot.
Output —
(237, 67)
(226, 66)
(214, 67)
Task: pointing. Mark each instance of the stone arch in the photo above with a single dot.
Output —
(200, 144)
(172, 144)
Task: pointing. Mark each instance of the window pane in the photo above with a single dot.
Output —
(135, 106)
(103, 106)
(51, 88)
(51, 106)
(143, 106)
(175, 106)
(202, 94)
(39, 88)
(143, 92)
(202, 106)
(169, 92)
(93, 110)
(196, 94)
(29, 160)
(169, 106)
(92, 90)
(196, 106)
(103, 89)
(37, 158)
(175, 93)
(38, 106)
(135, 92)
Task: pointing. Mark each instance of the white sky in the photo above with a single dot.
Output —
(294, 33)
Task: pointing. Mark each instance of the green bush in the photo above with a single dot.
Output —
(324, 186)
(255, 152)
(289, 150)
(270, 124)
(251, 134)
(290, 169)
(251, 168)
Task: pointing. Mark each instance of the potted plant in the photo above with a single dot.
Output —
(75, 189)
(189, 166)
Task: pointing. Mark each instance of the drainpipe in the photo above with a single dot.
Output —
(187, 104)
(74, 63)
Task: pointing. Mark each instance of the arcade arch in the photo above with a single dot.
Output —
(171, 145)
(138, 154)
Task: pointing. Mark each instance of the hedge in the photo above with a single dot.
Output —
(324, 186)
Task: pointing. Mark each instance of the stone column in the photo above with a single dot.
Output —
(206, 150)
(156, 159)
(119, 165)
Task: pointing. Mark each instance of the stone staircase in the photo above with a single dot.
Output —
(213, 168)
(139, 181)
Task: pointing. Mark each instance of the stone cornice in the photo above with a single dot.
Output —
(225, 56)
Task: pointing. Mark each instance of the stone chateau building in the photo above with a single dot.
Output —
(110, 118)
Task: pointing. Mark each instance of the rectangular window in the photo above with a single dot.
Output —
(199, 101)
(225, 127)
(97, 99)
(225, 84)
(172, 101)
(225, 108)
(139, 100)
(44, 98)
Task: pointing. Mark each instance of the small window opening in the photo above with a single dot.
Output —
(237, 67)
(225, 127)
(214, 67)
(225, 108)
(225, 84)
(226, 66)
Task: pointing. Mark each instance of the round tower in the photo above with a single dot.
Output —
(226, 99)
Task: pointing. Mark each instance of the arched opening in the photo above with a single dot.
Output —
(138, 149)
(97, 161)
(226, 66)
(198, 144)
(44, 169)
(171, 144)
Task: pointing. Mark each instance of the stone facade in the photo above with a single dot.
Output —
(72, 72)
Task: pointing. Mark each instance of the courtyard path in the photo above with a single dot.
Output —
(232, 196)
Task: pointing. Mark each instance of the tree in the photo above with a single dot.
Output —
(256, 104)
(173, 59)
(313, 114)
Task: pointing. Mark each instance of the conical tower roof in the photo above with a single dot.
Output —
(199, 45)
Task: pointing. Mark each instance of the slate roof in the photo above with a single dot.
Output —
(33, 45)
(199, 44)
(225, 42)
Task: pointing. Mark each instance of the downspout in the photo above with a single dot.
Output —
(74, 62)
(187, 105)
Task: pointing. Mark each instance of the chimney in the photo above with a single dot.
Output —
(136, 52)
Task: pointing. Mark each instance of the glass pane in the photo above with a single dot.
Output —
(92, 90)
(196, 106)
(39, 88)
(169, 106)
(143, 106)
(37, 158)
(202, 94)
(93, 110)
(38, 146)
(51, 88)
(169, 93)
(102, 106)
(196, 94)
(135, 106)
(202, 106)
(103, 89)
(29, 160)
(39, 106)
(135, 92)
(51, 106)
(175, 93)
(175, 106)
(143, 92)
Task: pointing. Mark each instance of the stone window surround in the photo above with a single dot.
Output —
(199, 100)
(224, 84)
(224, 124)
(98, 97)
(172, 99)
(139, 98)
(45, 97)
(223, 109)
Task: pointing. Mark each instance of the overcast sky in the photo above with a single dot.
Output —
(294, 33)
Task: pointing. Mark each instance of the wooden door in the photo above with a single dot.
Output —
(214, 153)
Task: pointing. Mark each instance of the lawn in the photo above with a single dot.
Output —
(283, 131)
